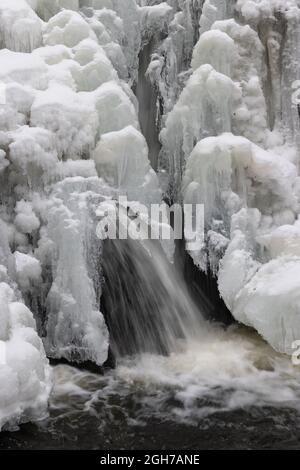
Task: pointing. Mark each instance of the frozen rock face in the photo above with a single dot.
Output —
(231, 142)
(230, 174)
(71, 251)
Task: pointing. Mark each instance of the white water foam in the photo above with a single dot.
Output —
(228, 370)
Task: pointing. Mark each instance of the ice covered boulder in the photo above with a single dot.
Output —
(121, 21)
(283, 240)
(28, 270)
(108, 27)
(24, 370)
(204, 108)
(236, 51)
(22, 68)
(216, 48)
(95, 68)
(69, 115)
(270, 302)
(67, 28)
(32, 152)
(71, 41)
(15, 111)
(229, 174)
(26, 220)
(114, 107)
(54, 54)
(19, 97)
(232, 172)
(247, 49)
(20, 27)
(122, 158)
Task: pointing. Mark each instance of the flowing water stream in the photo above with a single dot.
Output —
(145, 300)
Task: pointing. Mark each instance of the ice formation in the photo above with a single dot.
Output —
(68, 119)
(100, 98)
(232, 143)
(24, 370)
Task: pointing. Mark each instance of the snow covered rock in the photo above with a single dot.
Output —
(28, 269)
(270, 302)
(69, 115)
(67, 28)
(33, 155)
(26, 220)
(122, 157)
(24, 369)
(20, 27)
(203, 108)
(22, 68)
(114, 107)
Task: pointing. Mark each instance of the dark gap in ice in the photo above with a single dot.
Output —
(147, 97)
(203, 287)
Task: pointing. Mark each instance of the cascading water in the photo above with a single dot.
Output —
(145, 301)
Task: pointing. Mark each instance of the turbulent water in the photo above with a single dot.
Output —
(228, 391)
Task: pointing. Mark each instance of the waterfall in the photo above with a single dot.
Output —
(145, 300)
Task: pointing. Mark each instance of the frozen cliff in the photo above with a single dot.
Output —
(68, 117)
(232, 143)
